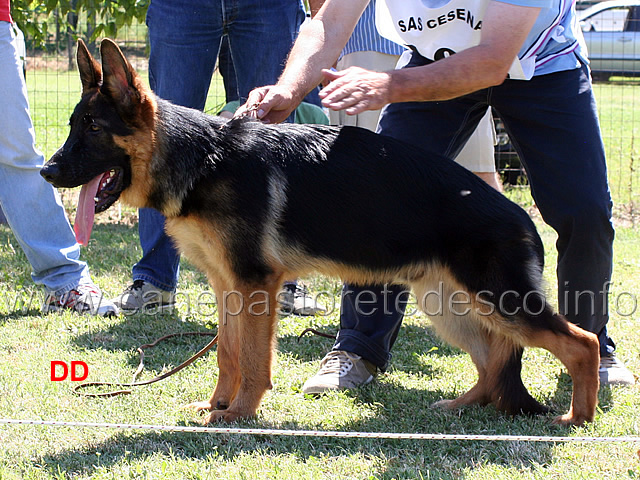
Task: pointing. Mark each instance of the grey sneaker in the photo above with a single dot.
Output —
(85, 298)
(339, 370)
(143, 296)
(613, 372)
(297, 301)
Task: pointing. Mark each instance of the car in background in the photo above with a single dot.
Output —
(611, 30)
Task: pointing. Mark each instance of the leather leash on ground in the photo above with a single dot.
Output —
(315, 332)
(140, 368)
(184, 364)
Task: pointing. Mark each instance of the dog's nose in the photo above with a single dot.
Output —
(50, 172)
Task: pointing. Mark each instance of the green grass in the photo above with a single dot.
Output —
(423, 370)
(619, 111)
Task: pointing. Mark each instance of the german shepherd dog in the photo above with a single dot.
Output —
(253, 204)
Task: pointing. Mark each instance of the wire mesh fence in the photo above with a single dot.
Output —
(53, 82)
(54, 88)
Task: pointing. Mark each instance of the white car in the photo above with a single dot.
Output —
(612, 32)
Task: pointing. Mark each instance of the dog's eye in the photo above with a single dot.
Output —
(94, 127)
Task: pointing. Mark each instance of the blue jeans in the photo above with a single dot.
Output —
(228, 73)
(31, 205)
(552, 122)
(185, 37)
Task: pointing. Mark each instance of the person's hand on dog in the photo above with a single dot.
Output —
(353, 90)
(356, 90)
(270, 104)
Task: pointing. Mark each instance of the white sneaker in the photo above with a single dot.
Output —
(613, 372)
(85, 298)
(298, 302)
(340, 370)
(143, 296)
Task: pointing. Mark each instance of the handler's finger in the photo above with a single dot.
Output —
(254, 99)
(257, 95)
(330, 77)
(276, 105)
(346, 102)
(343, 96)
(270, 105)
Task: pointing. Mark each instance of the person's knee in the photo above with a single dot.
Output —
(586, 217)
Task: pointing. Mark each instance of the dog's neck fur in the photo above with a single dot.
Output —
(184, 152)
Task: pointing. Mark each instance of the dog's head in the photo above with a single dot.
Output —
(111, 140)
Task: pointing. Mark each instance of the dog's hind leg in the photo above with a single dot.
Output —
(458, 329)
(460, 321)
(508, 392)
(475, 341)
(498, 361)
(579, 351)
(254, 328)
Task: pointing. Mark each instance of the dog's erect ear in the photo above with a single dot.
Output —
(119, 81)
(90, 71)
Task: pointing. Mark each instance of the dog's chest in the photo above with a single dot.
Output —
(199, 241)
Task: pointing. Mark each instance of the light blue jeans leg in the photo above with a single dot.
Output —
(31, 205)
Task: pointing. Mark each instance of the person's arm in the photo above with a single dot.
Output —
(504, 29)
(318, 46)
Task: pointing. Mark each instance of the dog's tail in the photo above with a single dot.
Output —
(511, 396)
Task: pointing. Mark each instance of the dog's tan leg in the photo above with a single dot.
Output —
(499, 380)
(484, 349)
(578, 350)
(229, 339)
(254, 327)
(508, 393)
(228, 351)
(497, 358)
(461, 330)
(467, 334)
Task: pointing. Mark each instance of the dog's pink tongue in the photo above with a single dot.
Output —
(86, 211)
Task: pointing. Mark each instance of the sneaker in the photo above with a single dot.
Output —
(340, 370)
(613, 372)
(141, 295)
(84, 299)
(296, 300)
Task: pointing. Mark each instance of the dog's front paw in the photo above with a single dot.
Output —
(227, 416)
(444, 404)
(199, 406)
(569, 419)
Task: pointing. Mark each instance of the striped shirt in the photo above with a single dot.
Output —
(365, 37)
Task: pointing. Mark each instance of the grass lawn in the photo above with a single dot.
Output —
(423, 370)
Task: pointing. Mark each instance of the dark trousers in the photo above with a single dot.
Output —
(552, 122)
